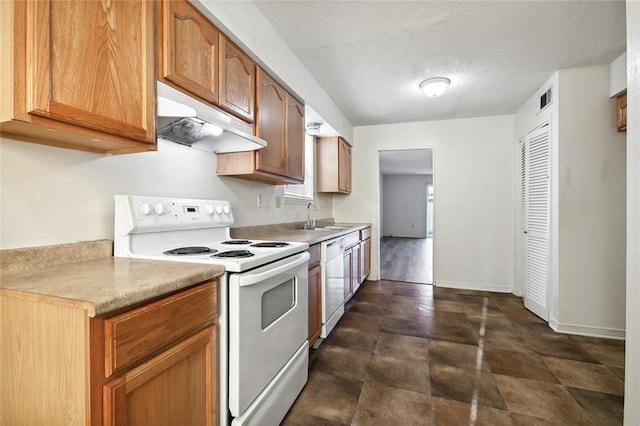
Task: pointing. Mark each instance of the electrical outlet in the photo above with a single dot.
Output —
(260, 203)
(278, 201)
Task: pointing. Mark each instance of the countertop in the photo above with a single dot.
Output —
(105, 284)
(278, 233)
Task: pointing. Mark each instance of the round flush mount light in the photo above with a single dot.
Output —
(436, 86)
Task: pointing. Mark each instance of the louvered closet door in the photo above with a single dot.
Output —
(536, 206)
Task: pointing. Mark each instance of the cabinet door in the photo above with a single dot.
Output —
(189, 50)
(237, 80)
(270, 126)
(365, 259)
(344, 167)
(90, 64)
(178, 387)
(295, 139)
(355, 268)
(315, 303)
(621, 118)
(347, 259)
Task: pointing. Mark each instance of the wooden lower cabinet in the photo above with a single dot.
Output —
(155, 364)
(365, 253)
(365, 259)
(315, 294)
(347, 261)
(357, 264)
(355, 268)
(173, 388)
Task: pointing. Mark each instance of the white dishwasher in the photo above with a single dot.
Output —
(332, 268)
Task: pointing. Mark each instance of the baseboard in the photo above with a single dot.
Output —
(474, 286)
(587, 330)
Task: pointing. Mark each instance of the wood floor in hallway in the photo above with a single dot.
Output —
(406, 259)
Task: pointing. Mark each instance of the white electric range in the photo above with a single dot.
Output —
(262, 298)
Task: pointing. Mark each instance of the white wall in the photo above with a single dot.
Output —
(54, 195)
(528, 118)
(592, 223)
(404, 205)
(632, 362)
(586, 289)
(473, 181)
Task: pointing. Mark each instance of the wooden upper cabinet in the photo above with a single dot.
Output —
(270, 125)
(621, 116)
(280, 122)
(295, 138)
(81, 74)
(334, 165)
(237, 80)
(188, 50)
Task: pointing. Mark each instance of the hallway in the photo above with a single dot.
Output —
(406, 259)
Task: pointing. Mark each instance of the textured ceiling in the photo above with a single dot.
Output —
(370, 56)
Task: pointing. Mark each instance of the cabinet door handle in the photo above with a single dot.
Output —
(227, 56)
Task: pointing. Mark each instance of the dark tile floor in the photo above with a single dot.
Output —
(412, 354)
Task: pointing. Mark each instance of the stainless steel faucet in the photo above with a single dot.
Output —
(311, 219)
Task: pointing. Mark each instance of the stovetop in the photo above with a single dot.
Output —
(238, 256)
(189, 230)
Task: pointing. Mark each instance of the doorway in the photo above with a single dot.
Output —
(407, 212)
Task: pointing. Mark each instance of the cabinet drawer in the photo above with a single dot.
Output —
(134, 335)
(314, 252)
(365, 233)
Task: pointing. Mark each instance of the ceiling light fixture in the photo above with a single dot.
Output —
(436, 86)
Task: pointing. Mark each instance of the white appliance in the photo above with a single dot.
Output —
(334, 280)
(262, 298)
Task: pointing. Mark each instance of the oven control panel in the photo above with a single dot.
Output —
(136, 214)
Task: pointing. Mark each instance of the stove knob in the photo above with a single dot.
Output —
(145, 209)
(218, 209)
(209, 210)
(159, 208)
(226, 210)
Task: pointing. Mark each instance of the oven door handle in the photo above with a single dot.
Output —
(263, 273)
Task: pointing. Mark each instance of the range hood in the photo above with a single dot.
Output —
(187, 121)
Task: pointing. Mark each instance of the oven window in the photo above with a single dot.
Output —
(277, 301)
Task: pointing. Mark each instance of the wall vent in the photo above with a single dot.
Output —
(545, 100)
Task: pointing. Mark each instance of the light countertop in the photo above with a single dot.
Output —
(105, 284)
(311, 237)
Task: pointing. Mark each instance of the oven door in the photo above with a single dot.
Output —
(268, 316)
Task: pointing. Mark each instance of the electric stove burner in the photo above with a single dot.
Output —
(181, 251)
(271, 244)
(237, 242)
(234, 253)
